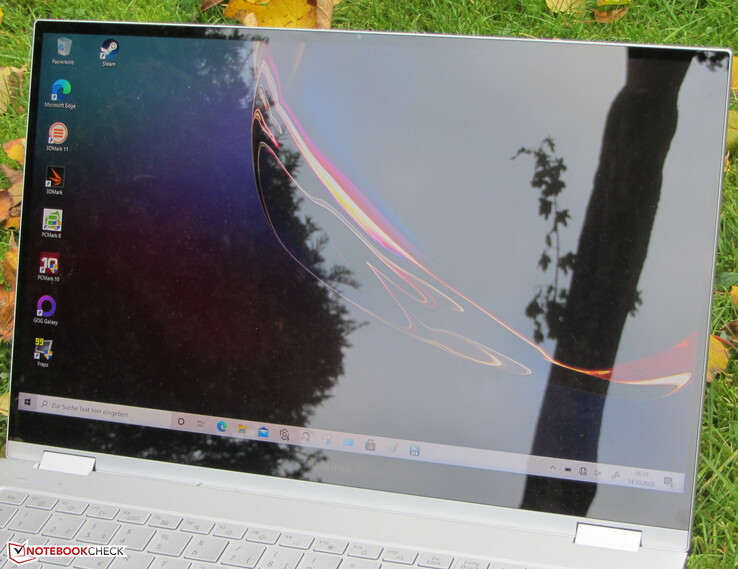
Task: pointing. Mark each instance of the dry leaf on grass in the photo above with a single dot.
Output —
(16, 149)
(11, 95)
(566, 5)
(282, 13)
(610, 16)
(717, 359)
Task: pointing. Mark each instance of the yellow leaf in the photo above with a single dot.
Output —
(612, 2)
(734, 76)
(13, 222)
(732, 138)
(1, 14)
(9, 264)
(565, 5)
(275, 13)
(5, 403)
(16, 149)
(734, 295)
(610, 16)
(717, 358)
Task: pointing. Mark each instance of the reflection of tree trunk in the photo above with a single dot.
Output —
(612, 248)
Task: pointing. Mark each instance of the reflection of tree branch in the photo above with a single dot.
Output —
(548, 302)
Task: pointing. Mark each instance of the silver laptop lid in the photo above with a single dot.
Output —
(466, 268)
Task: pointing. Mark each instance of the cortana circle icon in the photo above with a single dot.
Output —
(221, 426)
(46, 306)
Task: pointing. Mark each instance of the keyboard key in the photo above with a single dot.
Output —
(98, 532)
(92, 562)
(364, 551)
(165, 521)
(76, 507)
(13, 497)
(397, 555)
(356, 563)
(435, 561)
(206, 549)
(169, 563)
(296, 540)
(170, 543)
(133, 561)
(230, 531)
(193, 525)
(243, 554)
(128, 516)
(280, 559)
(319, 561)
(102, 511)
(63, 526)
(41, 502)
(261, 535)
(29, 521)
(134, 537)
(471, 564)
(6, 512)
(329, 545)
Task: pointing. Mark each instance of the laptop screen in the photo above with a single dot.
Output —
(467, 268)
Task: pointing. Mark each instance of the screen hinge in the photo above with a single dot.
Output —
(611, 538)
(68, 463)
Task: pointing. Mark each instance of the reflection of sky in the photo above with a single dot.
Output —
(437, 156)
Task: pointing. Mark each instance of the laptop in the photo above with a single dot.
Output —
(349, 300)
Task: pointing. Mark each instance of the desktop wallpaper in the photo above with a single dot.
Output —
(453, 241)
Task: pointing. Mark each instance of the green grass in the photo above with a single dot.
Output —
(693, 22)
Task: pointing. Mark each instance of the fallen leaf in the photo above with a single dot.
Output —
(325, 14)
(13, 222)
(729, 333)
(612, 2)
(610, 16)
(275, 13)
(11, 79)
(734, 295)
(16, 149)
(734, 77)
(6, 202)
(565, 5)
(717, 359)
(9, 264)
(207, 4)
(15, 177)
(732, 138)
(5, 403)
(1, 15)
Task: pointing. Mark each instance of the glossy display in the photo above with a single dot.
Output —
(462, 243)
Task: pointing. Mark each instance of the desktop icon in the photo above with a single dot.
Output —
(54, 177)
(49, 263)
(58, 133)
(63, 46)
(52, 220)
(263, 432)
(60, 90)
(109, 49)
(46, 306)
(42, 349)
(221, 426)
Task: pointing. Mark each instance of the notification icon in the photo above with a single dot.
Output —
(58, 133)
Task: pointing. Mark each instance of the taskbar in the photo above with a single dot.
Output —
(321, 439)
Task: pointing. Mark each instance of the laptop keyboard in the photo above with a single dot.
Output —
(157, 540)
